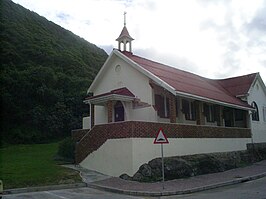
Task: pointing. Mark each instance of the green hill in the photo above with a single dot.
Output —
(45, 72)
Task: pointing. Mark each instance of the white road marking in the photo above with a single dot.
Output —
(53, 194)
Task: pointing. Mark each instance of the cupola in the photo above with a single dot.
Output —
(124, 38)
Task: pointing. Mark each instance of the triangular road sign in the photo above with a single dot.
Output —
(161, 138)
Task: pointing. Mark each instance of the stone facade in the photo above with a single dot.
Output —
(78, 134)
(110, 111)
(92, 115)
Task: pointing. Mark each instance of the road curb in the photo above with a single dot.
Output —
(180, 192)
(44, 188)
(133, 193)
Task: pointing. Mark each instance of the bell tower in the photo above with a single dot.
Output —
(124, 38)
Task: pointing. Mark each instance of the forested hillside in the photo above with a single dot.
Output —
(45, 72)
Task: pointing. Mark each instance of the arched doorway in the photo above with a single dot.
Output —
(119, 111)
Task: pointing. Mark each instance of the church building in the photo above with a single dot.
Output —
(133, 97)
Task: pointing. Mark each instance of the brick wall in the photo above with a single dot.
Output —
(78, 134)
(99, 134)
(172, 107)
(110, 111)
(92, 113)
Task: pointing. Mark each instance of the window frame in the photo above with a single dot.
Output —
(189, 109)
(255, 114)
(162, 105)
(264, 113)
(209, 112)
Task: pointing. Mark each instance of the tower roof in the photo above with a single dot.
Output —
(124, 33)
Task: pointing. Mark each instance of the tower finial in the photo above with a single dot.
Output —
(124, 37)
(125, 18)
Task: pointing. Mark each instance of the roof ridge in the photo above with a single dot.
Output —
(236, 77)
(157, 62)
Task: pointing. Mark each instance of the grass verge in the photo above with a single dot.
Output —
(33, 165)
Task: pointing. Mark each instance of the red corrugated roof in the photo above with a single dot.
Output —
(238, 85)
(120, 91)
(190, 83)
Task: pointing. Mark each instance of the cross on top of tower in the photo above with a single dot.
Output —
(125, 18)
(124, 37)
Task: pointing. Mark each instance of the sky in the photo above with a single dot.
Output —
(212, 38)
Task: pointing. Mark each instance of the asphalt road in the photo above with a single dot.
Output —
(78, 193)
(249, 190)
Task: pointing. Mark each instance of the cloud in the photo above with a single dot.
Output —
(242, 35)
(108, 48)
(259, 21)
(215, 39)
(63, 17)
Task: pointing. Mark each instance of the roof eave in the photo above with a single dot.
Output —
(242, 95)
(252, 84)
(103, 99)
(204, 99)
(124, 36)
(258, 77)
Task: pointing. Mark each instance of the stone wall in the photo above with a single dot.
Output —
(78, 134)
(193, 165)
(256, 146)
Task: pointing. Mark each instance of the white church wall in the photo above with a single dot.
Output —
(100, 114)
(258, 128)
(113, 158)
(120, 74)
(86, 122)
(118, 156)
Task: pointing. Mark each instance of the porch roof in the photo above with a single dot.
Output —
(122, 94)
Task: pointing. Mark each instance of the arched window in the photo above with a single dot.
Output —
(255, 114)
(119, 111)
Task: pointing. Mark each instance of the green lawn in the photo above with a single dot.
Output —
(33, 165)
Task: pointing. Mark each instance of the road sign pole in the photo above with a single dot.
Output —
(161, 139)
(162, 164)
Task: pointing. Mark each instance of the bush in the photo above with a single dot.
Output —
(23, 135)
(66, 150)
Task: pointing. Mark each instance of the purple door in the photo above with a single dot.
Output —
(119, 111)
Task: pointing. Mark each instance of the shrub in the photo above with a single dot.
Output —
(22, 135)
(66, 150)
